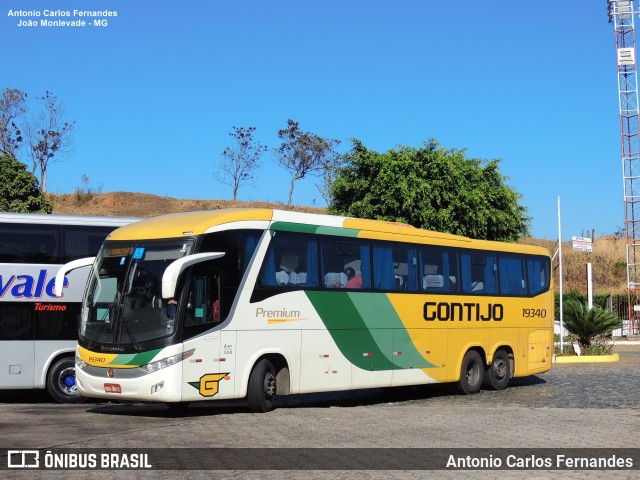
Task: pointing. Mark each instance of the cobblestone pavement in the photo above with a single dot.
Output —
(574, 405)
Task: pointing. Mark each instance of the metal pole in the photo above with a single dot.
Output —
(560, 272)
(589, 287)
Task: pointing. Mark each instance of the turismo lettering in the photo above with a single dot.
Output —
(445, 312)
(50, 307)
(27, 286)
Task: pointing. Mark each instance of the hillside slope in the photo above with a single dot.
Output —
(127, 204)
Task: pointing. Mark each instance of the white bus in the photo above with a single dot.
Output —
(39, 331)
(257, 303)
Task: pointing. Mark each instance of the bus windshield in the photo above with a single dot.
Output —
(124, 304)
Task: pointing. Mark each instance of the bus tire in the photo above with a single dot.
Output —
(61, 382)
(497, 375)
(261, 390)
(471, 373)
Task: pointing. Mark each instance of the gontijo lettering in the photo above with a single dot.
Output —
(445, 311)
(28, 286)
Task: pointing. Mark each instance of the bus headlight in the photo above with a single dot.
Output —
(166, 362)
(80, 363)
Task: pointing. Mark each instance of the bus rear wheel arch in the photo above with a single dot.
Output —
(61, 381)
(471, 373)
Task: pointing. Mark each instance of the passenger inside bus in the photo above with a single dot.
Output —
(353, 280)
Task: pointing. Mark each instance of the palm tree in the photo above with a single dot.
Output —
(586, 324)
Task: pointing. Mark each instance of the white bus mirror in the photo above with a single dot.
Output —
(66, 268)
(173, 271)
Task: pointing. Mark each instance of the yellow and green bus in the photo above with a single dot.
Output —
(256, 303)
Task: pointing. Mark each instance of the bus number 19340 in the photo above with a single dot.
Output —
(534, 312)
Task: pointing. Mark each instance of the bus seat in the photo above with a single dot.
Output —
(335, 280)
(432, 281)
(282, 277)
(300, 277)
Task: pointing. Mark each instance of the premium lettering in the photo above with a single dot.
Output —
(261, 312)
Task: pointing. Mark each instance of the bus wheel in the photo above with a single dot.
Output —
(61, 382)
(262, 387)
(471, 373)
(496, 375)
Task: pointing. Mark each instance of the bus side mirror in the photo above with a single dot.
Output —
(66, 268)
(173, 271)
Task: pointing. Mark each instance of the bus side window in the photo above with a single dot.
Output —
(478, 273)
(405, 268)
(83, 241)
(440, 270)
(203, 304)
(195, 312)
(291, 261)
(16, 322)
(30, 243)
(216, 298)
(344, 263)
(537, 275)
(511, 269)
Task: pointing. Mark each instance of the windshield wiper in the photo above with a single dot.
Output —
(135, 344)
(114, 312)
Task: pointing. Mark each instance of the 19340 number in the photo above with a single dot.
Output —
(534, 312)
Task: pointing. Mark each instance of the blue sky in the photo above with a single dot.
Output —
(156, 92)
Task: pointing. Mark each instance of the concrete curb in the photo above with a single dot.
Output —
(586, 358)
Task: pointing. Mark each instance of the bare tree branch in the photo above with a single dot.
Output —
(50, 137)
(303, 153)
(12, 107)
(241, 160)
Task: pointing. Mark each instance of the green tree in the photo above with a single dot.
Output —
(241, 160)
(19, 189)
(429, 187)
(587, 324)
(304, 153)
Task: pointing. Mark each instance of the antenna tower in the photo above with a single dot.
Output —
(621, 14)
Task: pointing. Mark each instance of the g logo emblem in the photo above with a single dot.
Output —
(209, 384)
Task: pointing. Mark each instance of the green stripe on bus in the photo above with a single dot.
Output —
(293, 227)
(380, 315)
(349, 331)
(368, 344)
(135, 359)
(314, 229)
